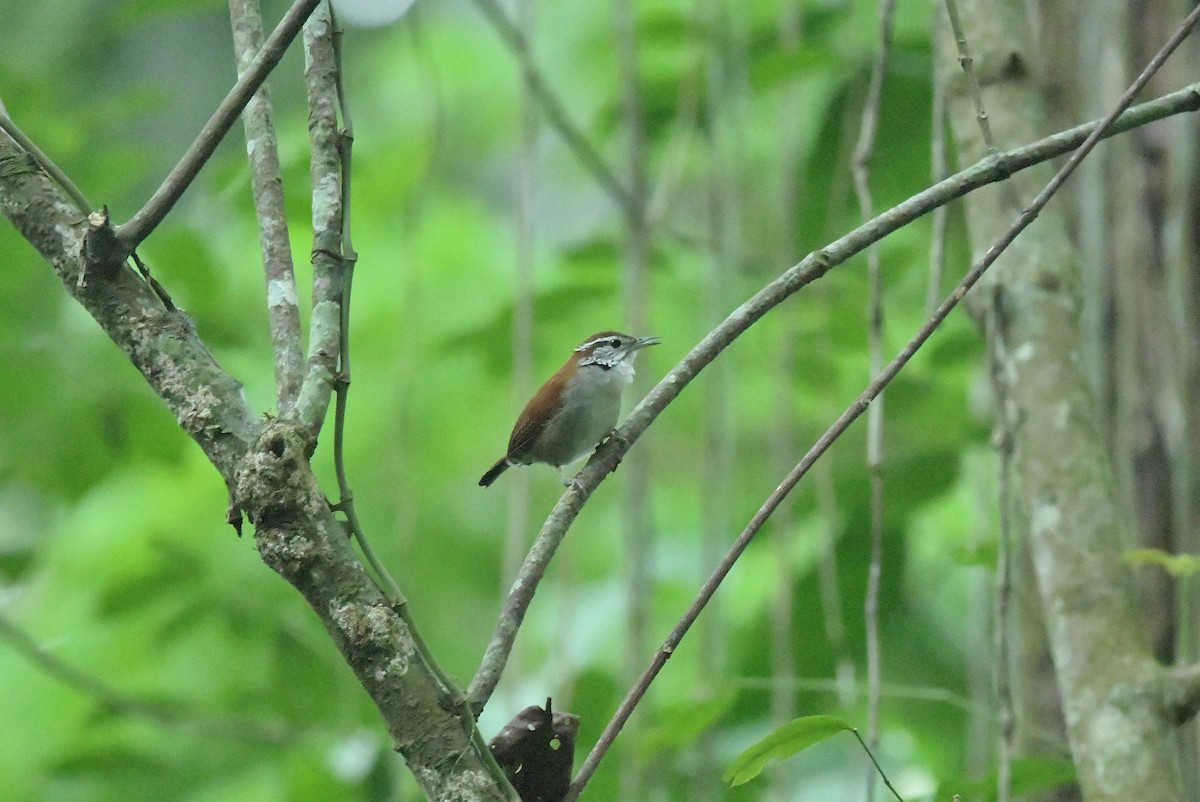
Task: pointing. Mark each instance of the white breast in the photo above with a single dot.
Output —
(589, 412)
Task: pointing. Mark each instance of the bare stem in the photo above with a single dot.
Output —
(968, 66)
(863, 152)
(266, 183)
(161, 713)
(1002, 439)
(132, 233)
(552, 107)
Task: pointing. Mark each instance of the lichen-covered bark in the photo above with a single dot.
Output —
(298, 537)
(264, 464)
(1112, 690)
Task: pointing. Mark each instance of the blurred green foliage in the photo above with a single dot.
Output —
(114, 554)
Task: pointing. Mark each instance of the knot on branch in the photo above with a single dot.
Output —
(275, 486)
(103, 252)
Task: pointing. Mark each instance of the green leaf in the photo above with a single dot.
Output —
(793, 737)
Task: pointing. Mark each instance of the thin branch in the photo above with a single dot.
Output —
(718, 118)
(329, 269)
(45, 162)
(322, 40)
(863, 152)
(266, 184)
(1003, 441)
(968, 66)
(836, 687)
(174, 716)
(324, 47)
(132, 233)
(856, 409)
(878, 768)
(553, 109)
(991, 169)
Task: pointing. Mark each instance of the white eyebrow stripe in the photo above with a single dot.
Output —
(590, 343)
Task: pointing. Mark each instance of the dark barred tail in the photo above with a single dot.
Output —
(500, 467)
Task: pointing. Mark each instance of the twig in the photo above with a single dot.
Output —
(863, 152)
(989, 170)
(968, 67)
(322, 40)
(161, 713)
(266, 183)
(1002, 440)
(552, 108)
(719, 117)
(859, 406)
(45, 162)
(878, 768)
(835, 686)
(330, 273)
(132, 233)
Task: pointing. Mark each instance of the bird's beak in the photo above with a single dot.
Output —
(642, 342)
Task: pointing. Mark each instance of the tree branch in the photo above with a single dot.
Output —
(324, 336)
(266, 183)
(132, 233)
(893, 368)
(864, 150)
(556, 115)
(166, 714)
(1074, 524)
(266, 466)
(989, 170)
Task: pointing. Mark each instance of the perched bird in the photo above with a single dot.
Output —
(577, 407)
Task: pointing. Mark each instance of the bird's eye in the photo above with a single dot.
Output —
(614, 343)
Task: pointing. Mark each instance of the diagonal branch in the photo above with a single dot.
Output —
(1023, 220)
(266, 466)
(162, 713)
(989, 170)
(864, 150)
(556, 115)
(856, 409)
(132, 233)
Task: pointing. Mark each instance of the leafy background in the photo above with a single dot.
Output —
(114, 554)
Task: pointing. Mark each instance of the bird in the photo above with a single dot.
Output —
(577, 407)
